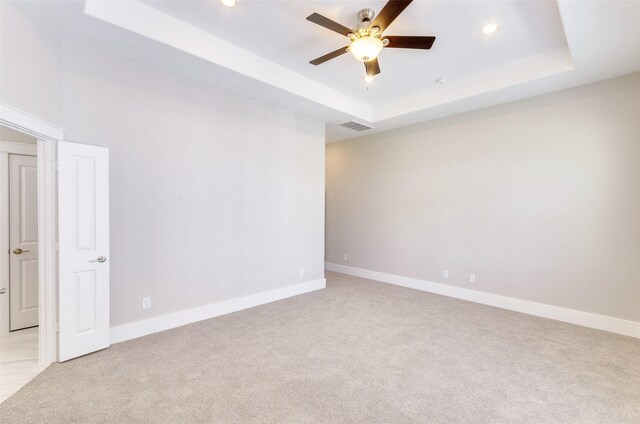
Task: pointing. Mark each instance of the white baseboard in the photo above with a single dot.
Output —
(141, 328)
(572, 316)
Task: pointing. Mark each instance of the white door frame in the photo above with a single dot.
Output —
(47, 135)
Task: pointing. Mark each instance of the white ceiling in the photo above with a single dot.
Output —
(278, 31)
(261, 49)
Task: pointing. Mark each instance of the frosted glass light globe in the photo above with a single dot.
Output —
(366, 48)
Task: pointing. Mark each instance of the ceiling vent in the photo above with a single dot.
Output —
(356, 126)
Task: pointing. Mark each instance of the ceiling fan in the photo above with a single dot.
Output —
(366, 38)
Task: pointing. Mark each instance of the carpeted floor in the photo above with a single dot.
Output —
(357, 352)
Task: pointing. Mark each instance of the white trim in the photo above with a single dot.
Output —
(4, 243)
(47, 343)
(136, 329)
(21, 121)
(46, 134)
(572, 316)
(16, 148)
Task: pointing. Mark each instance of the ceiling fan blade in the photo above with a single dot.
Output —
(328, 23)
(372, 67)
(329, 56)
(410, 42)
(389, 13)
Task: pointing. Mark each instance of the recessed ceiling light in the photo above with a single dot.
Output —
(368, 78)
(228, 3)
(442, 80)
(488, 29)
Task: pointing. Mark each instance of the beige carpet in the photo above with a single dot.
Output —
(357, 352)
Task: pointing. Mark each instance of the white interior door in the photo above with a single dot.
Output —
(83, 231)
(23, 242)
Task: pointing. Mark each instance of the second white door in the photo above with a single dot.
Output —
(23, 241)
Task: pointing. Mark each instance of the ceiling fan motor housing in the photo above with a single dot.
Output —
(366, 15)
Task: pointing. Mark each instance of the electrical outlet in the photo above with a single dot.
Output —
(345, 257)
(146, 302)
(472, 278)
(302, 272)
(445, 274)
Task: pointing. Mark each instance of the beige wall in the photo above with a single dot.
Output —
(29, 67)
(213, 196)
(540, 199)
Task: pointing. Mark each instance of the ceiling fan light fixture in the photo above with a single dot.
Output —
(228, 3)
(368, 78)
(367, 38)
(366, 48)
(489, 29)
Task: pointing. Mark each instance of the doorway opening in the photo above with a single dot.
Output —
(27, 138)
(19, 286)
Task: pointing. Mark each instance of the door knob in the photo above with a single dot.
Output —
(19, 251)
(100, 259)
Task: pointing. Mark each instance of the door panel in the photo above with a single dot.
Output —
(83, 228)
(86, 289)
(28, 290)
(23, 241)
